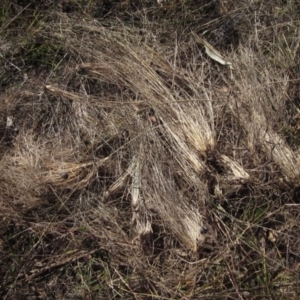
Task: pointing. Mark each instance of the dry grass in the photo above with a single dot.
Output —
(135, 167)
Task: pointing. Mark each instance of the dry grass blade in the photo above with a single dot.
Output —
(135, 167)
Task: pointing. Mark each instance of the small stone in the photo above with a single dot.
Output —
(64, 175)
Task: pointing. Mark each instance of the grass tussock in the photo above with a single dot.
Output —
(133, 166)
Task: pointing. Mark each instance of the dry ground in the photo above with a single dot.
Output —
(133, 166)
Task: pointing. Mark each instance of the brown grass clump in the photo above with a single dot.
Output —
(133, 166)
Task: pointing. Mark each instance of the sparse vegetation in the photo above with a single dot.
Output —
(133, 166)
